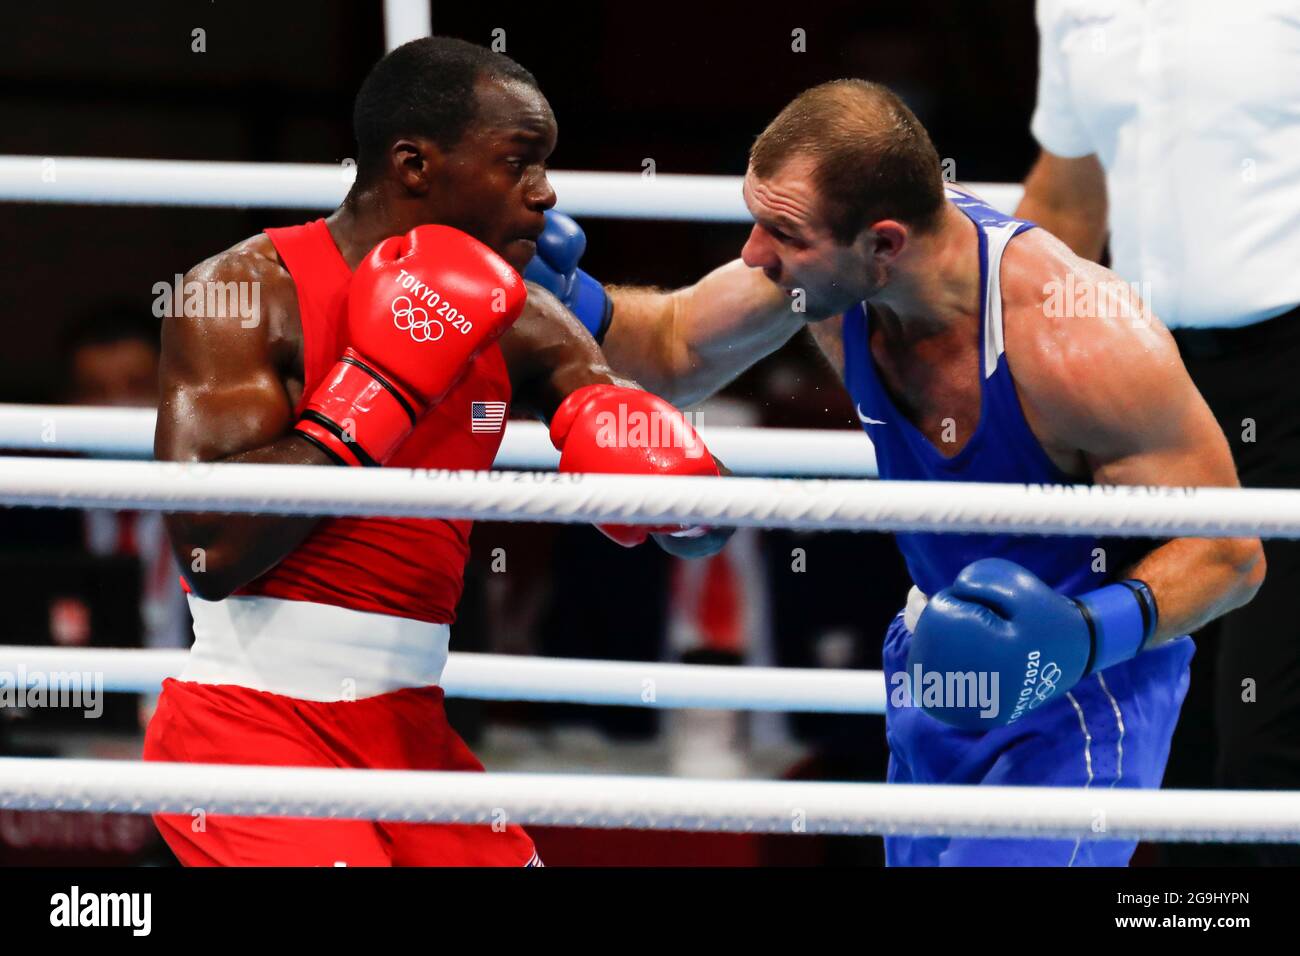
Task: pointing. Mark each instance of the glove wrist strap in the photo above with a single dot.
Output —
(592, 305)
(356, 416)
(1121, 619)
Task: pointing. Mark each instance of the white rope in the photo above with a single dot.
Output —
(128, 433)
(406, 20)
(649, 802)
(165, 182)
(752, 502)
(497, 677)
(79, 429)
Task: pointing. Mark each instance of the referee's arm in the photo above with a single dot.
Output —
(1067, 197)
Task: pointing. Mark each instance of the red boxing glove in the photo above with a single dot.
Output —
(608, 429)
(420, 308)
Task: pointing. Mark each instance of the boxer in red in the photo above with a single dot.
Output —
(321, 641)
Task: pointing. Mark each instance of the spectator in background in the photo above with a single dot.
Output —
(112, 357)
(112, 360)
(1177, 127)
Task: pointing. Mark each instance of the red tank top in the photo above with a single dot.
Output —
(410, 567)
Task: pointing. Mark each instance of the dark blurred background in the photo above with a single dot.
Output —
(687, 85)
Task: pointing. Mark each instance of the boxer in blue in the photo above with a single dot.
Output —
(976, 347)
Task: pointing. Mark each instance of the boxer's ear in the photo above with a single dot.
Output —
(886, 239)
(416, 162)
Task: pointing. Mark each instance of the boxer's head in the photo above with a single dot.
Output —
(837, 184)
(463, 133)
(111, 355)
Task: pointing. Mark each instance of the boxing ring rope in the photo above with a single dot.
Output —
(501, 677)
(128, 433)
(814, 504)
(168, 182)
(648, 803)
(405, 20)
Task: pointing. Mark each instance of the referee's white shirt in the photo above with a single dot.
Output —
(1193, 108)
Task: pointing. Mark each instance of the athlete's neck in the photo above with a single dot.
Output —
(934, 283)
(367, 216)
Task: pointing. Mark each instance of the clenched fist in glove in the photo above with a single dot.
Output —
(610, 429)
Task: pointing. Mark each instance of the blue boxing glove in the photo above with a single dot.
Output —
(697, 542)
(694, 542)
(999, 643)
(555, 268)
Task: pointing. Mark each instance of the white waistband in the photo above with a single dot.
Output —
(916, 601)
(312, 651)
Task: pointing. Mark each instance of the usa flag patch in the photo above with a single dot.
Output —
(487, 417)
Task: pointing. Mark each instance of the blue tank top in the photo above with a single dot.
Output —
(1002, 449)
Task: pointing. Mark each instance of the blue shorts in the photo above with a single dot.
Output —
(1112, 730)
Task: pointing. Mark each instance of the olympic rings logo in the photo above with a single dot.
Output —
(1047, 680)
(411, 318)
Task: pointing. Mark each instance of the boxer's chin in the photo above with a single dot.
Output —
(519, 253)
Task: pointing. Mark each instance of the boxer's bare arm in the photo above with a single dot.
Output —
(1110, 386)
(225, 397)
(687, 344)
(549, 354)
(1067, 197)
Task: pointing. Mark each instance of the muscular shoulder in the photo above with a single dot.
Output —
(1088, 356)
(250, 260)
(241, 298)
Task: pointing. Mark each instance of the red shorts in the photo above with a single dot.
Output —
(402, 730)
